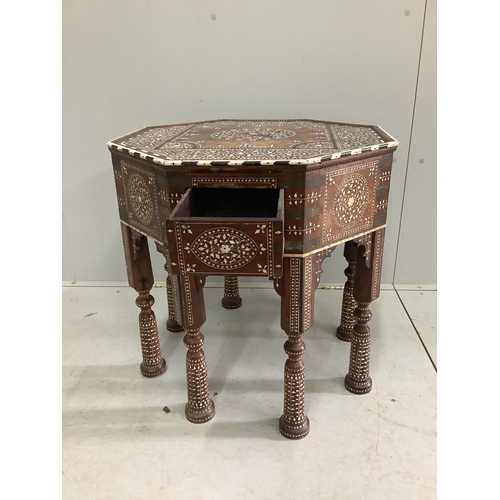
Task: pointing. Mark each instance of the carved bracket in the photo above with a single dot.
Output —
(160, 248)
(136, 237)
(278, 285)
(365, 242)
(318, 264)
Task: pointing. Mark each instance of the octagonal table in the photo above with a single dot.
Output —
(269, 198)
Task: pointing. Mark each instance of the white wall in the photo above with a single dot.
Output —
(416, 256)
(129, 64)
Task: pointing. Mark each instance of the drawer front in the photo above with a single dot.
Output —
(243, 248)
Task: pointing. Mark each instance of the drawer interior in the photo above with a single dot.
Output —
(229, 203)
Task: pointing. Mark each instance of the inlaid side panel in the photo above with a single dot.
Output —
(137, 193)
(350, 201)
(336, 203)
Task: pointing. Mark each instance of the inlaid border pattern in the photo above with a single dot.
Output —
(211, 162)
(295, 265)
(379, 241)
(200, 181)
(307, 292)
(189, 302)
(270, 253)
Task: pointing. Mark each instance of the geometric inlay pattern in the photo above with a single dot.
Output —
(350, 200)
(139, 197)
(253, 134)
(294, 142)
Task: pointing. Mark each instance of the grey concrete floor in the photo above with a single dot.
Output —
(118, 443)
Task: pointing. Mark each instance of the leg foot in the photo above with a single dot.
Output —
(154, 371)
(231, 299)
(200, 416)
(290, 432)
(357, 387)
(173, 326)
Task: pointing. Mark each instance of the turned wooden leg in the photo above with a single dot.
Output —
(189, 289)
(366, 289)
(172, 325)
(344, 331)
(294, 423)
(152, 362)
(199, 408)
(231, 299)
(358, 380)
(296, 288)
(140, 277)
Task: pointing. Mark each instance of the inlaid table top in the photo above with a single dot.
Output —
(252, 142)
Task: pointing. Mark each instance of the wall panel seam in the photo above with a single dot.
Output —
(409, 144)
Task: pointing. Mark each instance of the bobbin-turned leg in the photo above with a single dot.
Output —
(199, 408)
(140, 277)
(296, 288)
(344, 331)
(358, 380)
(294, 424)
(152, 362)
(231, 299)
(366, 289)
(189, 289)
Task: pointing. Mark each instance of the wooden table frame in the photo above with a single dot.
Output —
(310, 234)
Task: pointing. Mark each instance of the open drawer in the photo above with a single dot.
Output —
(227, 231)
